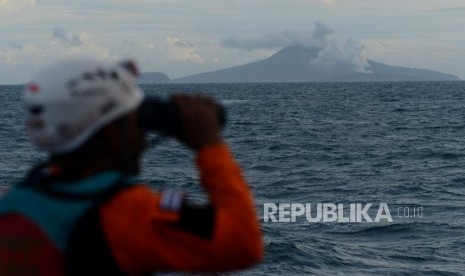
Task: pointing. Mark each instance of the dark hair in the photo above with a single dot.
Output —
(94, 145)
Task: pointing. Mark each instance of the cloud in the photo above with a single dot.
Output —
(316, 39)
(183, 50)
(176, 42)
(135, 46)
(14, 45)
(74, 44)
(329, 2)
(16, 59)
(15, 5)
(149, 46)
(70, 40)
(15, 63)
(6, 57)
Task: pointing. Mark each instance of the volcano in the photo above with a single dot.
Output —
(293, 64)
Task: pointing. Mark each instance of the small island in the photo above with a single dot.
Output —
(155, 77)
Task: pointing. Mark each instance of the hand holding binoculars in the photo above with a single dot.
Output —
(162, 116)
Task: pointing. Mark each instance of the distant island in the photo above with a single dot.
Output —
(296, 64)
(156, 77)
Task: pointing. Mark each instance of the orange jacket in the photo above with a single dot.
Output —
(144, 231)
(144, 236)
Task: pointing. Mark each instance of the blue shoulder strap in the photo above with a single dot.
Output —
(57, 208)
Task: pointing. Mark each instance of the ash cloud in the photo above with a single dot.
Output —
(340, 57)
(320, 34)
(335, 55)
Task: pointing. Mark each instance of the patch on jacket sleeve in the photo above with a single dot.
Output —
(171, 200)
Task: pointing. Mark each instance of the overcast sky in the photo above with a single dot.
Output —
(182, 37)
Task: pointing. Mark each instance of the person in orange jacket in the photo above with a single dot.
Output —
(85, 213)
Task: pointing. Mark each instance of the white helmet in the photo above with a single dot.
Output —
(68, 102)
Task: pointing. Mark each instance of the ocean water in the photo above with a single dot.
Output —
(402, 144)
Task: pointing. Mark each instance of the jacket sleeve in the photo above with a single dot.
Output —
(145, 237)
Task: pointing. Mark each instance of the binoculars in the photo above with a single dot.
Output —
(161, 116)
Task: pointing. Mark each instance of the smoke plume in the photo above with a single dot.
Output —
(341, 57)
(335, 55)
